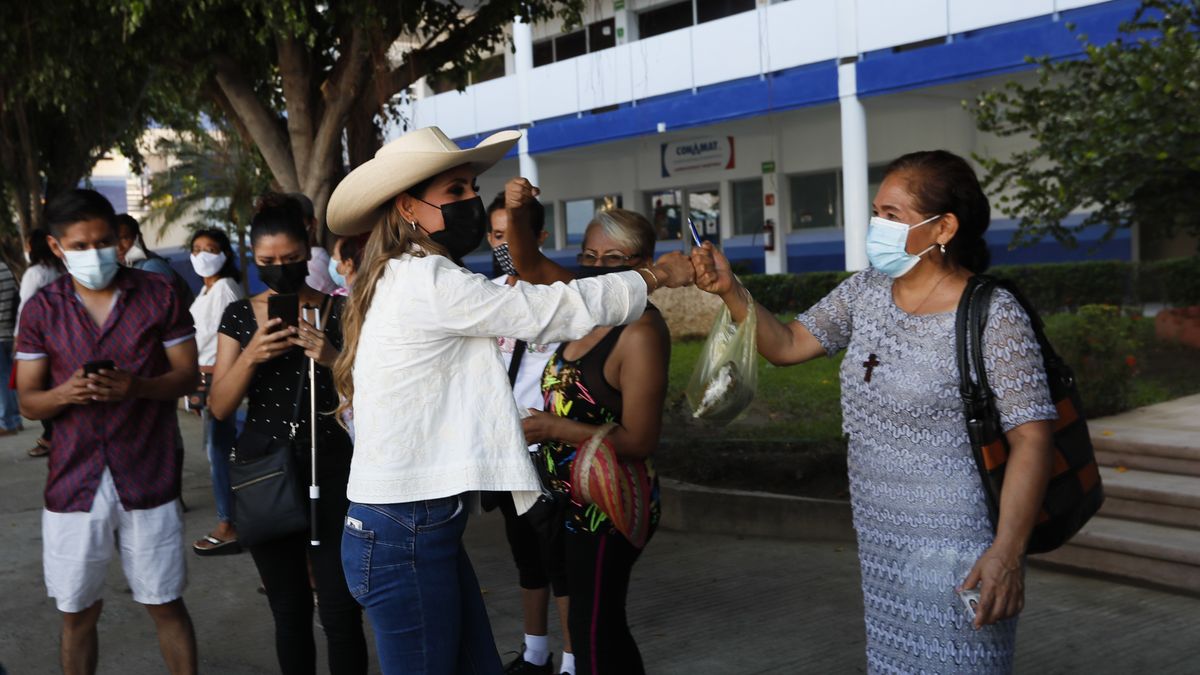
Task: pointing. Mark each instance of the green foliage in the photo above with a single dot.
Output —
(213, 181)
(1101, 346)
(1051, 287)
(1173, 282)
(1116, 132)
(791, 293)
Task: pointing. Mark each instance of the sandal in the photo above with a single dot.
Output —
(41, 449)
(211, 546)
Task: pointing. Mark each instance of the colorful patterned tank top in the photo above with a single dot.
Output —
(577, 390)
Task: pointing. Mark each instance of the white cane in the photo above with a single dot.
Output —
(314, 490)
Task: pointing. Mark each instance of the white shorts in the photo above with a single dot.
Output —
(76, 549)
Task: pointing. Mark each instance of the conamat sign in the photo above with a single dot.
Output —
(697, 155)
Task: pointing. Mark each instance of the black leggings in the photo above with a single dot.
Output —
(598, 569)
(284, 569)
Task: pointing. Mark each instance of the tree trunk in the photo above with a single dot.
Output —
(363, 135)
(260, 123)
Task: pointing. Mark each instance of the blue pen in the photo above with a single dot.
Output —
(695, 233)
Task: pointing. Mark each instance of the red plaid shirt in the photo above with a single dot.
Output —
(138, 440)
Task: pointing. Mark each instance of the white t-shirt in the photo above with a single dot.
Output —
(527, 390)
(35, 278)
(207, 310)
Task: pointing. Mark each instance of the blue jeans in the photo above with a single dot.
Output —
(10, 414)
(222, 434)
(405, 563)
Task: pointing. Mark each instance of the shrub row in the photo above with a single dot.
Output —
(1051, 287)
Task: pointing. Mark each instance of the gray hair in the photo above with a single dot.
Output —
(630, 229)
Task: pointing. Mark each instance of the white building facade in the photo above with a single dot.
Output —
(767, 124)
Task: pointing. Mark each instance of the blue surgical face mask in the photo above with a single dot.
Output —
(93, 268)
(335, 274)
(886, 246)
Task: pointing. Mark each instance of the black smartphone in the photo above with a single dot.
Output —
(285, 307)
(94, 367)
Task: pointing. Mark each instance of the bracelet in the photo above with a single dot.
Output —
(650, 271)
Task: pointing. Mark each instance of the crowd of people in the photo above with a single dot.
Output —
(441, 393)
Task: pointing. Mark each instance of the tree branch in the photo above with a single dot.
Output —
(339, 92)
(296, 76)
(262, 126)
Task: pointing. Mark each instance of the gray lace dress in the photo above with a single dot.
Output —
(918, 504)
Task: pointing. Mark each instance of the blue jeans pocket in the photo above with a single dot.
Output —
(436, 513)
(357, 546)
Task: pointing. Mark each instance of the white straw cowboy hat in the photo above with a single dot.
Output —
(360, 199)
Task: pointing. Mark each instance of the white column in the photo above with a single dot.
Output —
(855, 197)
(523, 53)
(776, 261)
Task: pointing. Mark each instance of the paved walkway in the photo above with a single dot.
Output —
(700, 603)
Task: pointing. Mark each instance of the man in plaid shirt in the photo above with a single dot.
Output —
(106, 353)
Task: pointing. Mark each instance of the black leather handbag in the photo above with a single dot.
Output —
(268, 499)
(1075, 492)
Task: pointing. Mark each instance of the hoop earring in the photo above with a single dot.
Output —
(413, 225)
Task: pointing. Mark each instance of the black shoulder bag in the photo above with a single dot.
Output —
(268, 501)
(1074, 493)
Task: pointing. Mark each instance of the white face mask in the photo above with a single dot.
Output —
(134, 254)
(93, 268)
(887, 242)
(207, 264)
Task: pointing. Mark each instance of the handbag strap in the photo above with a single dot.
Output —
(969, 322)
(514, 366)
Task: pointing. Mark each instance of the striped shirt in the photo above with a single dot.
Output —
(10, 298)
(137, 440)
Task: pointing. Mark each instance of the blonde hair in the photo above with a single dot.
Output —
(630, 229)
(392, 237)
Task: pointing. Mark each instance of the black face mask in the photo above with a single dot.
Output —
(588, 272)
(466, 223)
(287, 278)
(502, 262)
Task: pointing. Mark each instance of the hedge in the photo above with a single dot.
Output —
(1051, 287)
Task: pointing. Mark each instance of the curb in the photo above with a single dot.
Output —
(695, 508)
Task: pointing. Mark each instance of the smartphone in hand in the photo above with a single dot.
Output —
(94, 367)
(286, 307)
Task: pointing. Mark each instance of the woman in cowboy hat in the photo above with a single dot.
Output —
(433, 411)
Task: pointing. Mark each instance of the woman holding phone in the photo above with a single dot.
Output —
(264, 359)
(434, 413)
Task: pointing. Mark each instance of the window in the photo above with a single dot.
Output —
(602, 35)
(580, 213)
(704, 208)
(816, 200)
(570, 45)
(748, 206)
(667, 210)
(543, 53)
(874, 180)
(490, 68)
(664, 19)
(711, 10)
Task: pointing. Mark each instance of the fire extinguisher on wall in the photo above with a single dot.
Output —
(769, 235)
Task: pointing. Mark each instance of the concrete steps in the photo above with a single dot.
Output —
(1154, 554)
(1149, 527)
(1148, 449)
(1151, 497)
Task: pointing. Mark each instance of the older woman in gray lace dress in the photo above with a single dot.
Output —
(919, 506)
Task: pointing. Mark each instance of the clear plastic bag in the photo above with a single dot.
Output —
(726, 375)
